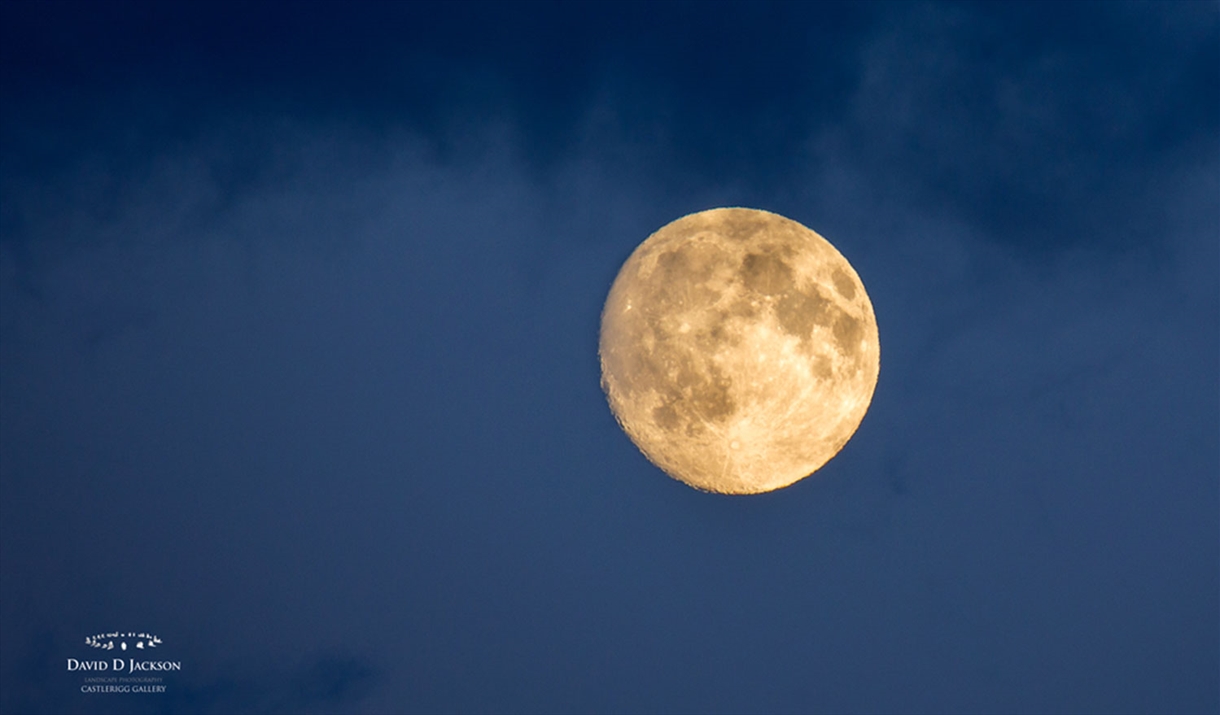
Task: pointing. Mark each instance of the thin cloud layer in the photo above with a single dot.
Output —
(302, 375)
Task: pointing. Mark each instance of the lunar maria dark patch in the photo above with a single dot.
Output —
(848, 332)
(766, 274)
(798, 312)
(843, 284)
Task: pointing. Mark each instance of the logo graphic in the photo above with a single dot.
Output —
(106, 641)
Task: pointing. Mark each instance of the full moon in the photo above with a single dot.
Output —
(739, 350)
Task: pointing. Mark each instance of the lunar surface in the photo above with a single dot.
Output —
(739, 350)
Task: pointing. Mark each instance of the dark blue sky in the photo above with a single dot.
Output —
(298, 356)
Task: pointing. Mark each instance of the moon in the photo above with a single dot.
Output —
(739, 350)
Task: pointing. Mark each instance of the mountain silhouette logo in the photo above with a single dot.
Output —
(109, 641)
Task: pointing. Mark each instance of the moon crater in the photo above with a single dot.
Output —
(739, 350)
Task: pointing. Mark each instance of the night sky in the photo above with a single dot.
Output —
(299, 307)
